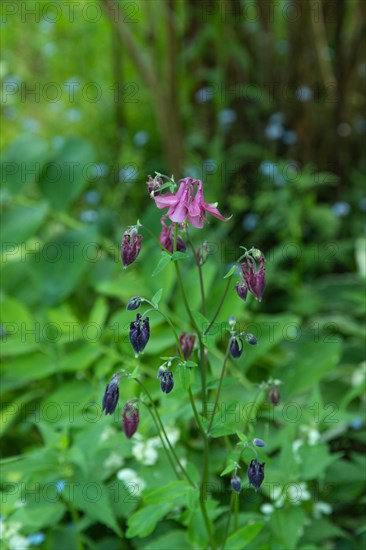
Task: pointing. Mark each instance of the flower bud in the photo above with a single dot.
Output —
(251, 339)
(111, 395)
(258, 442)
(167, 238)
(187, 343)
(235, 349)
(256, 473)
(255, 280)
(131, 246)
(161, 371)
(274, 395)
(236, 483)
(130, 418)
(241, 289)
(134, 303)
(203, 253)
(167, 381)
(153, 184)
(139, 333)
(232, 322)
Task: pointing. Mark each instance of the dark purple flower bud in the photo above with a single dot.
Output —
(167, 381)
(256, 473)
(236, 483)
(139, 333)
(251, 339)
(131, 246)
(134, 303)
(241, 289)
(274, 395)
(258, 442)
(161, 371)
(167, 238)
(187, 343)
(255, 280)
(203, 253)
(111, 395)
(235, 349)
(130, 418)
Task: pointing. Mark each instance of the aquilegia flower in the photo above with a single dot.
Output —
(139, 333)
(167, 381)
(130, 418)
(187, 343)
(255, 280)
(236, 349)
(133, 303)
(186, 204)
(111, 395)
(167, 237)
(236, 483)
(256, 473)
(241, 289)
(131, 246)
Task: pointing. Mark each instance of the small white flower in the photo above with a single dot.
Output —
(132, 481)
(295, 449)
(313, 436)
(358, 377)
(18, 542)
(145, 452)
(107, 433)
(321, 508)
(267, 508)
(173, 434)
(113, 461)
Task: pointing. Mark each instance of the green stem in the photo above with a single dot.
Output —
(220, 385)
(248, 417)
(76, 518)
(232, 501)
(219, 306)
(161, 437)
(155, 238)
(200, 275)
(172, 450)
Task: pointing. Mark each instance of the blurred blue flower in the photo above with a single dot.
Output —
(289, 137)
(282, 47)
(274, 131)
(360, 125)
(57, 142)
(92, 197)
(99, 170)
(227, 117)
(35, 539)
(356, 423)
(341, 209)
(73, 115)
(46, 25)
(49, 49)
(209, 165)
(192, 172)
(250, 221)
(141, 138)
(304, 93)
(128, 173)
(60, 486)
(277, 118)
(10, 113)
(89, 216)
(31, 124)
(204, 94)
(362, 204)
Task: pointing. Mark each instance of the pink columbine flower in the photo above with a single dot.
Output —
(186, 204)
(255, 280)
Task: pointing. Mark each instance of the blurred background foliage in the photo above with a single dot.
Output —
(262, 100)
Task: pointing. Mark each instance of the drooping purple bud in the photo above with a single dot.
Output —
(130, 418)
(235, 349)
(203, 253)
(111, 395)
(241, 289)
(139, 333)
(187, 343)
(131, 246)
(236, 483)
(167, 381)
(258, 442)
(274, 395)
(167, 238)
(255, 280)
(256, 473)
(251, 339)
(134, 303)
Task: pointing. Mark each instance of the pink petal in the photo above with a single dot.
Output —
(165, 201)
(211, 208)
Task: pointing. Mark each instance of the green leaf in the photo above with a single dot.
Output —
(314, 460)
(190, 364)
(243, 536)
(229, 468)
(230, 272)
(144, 521)
(163, 263)
(287, 525)
(242, 437)
(20, 223)
(63, 179)
(184, 377)
(175, 490)
(157, 297)
(179, 256)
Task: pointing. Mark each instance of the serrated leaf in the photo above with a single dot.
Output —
(162, 264)
(157, 297)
